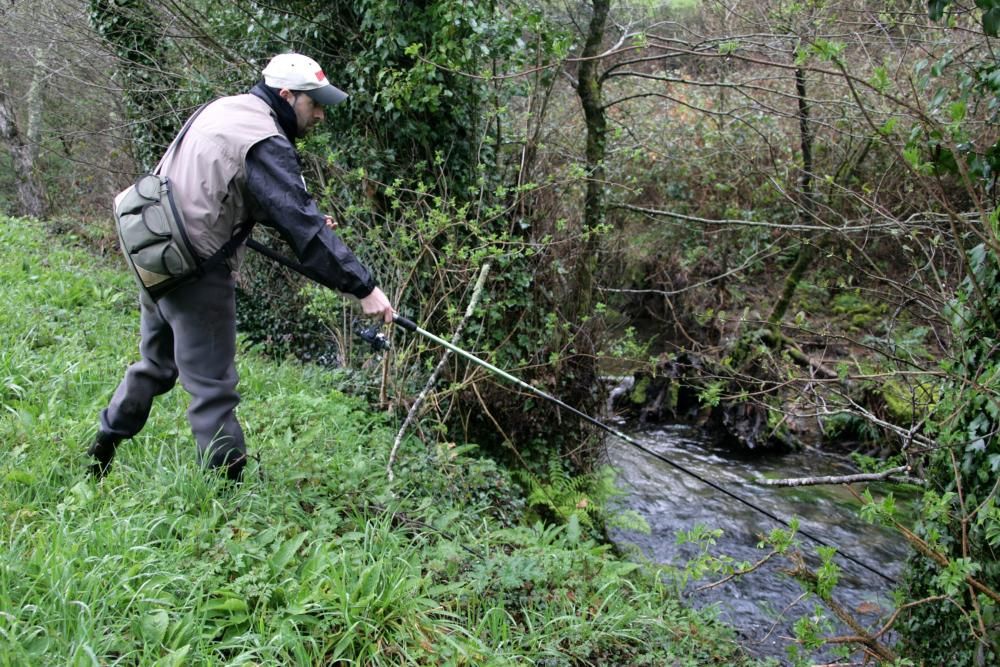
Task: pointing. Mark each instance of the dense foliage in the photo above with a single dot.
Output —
(961, 512)
(425, 168)
(954, 585)
(135, 34)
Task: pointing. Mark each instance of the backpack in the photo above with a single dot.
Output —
(152, 234)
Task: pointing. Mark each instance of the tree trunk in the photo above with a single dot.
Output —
(577, 373)
(589, 90)
(807, 250)
(31, 198)
(36, 102)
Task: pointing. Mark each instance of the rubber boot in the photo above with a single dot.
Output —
(103, 452)
(228, 462)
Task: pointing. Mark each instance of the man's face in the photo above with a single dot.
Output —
(308, 113)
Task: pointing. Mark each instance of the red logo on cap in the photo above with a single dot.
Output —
(320, 76)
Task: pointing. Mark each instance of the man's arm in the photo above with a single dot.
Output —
(274, 179)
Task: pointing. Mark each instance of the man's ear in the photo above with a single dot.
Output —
(287, 95)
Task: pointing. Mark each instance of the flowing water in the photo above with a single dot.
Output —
(762, 605)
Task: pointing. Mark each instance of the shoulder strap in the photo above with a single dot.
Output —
(227, 250)
(180, 136)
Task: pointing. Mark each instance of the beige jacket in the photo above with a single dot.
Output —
(208, 170)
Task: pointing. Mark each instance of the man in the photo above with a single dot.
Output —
(236, 164)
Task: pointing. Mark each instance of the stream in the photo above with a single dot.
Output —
(761, 606)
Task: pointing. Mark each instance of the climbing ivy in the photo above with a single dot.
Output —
(990, 13)
(134, 33)
(959, 517)
(948, 621)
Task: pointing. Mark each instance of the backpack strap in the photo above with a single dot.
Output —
(226, 251)
(177, 140)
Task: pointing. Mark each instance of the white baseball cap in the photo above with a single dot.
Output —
(297, 72)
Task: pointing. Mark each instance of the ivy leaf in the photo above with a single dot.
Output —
(980, 424)
(935, 8)
(993, 79)
(991, 22)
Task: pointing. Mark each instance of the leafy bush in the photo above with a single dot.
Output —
(958, 513)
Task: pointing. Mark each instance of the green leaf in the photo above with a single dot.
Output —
(287, 551)
(991, 22)
(154, 626)
(880, 79)
(573, 529)
(957, 111)
(728, 47)
(227, 605)
(993, 79)
(20, 477)
(176, 658)
(935, 8)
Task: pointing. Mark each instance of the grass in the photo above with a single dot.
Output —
(316, 559)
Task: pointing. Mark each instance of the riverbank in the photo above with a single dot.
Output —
(316, 559)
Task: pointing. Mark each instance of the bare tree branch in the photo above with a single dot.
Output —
(892, 475)
(432, 380)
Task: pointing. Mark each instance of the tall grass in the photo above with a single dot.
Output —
(314, 560)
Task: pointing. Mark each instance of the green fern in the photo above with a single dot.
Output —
(586, 497)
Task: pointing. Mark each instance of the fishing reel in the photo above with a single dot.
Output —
(373, 336)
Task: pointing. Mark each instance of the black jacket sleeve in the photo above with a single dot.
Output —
(274, 179)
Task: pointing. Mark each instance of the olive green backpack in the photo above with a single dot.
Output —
(152, 234)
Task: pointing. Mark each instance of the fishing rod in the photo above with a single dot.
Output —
(378, 341)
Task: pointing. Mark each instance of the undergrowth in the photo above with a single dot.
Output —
(315, 559)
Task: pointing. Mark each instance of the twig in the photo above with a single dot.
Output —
(781, 615)
(415, 408)
(890, 475)
(752, 568)
(895, 614)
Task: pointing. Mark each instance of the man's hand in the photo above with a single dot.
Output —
(331, 224)
(376, 304)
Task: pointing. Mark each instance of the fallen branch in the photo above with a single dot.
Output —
(907, 435)
(780, 342)
(415, 408)
(893, 475)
